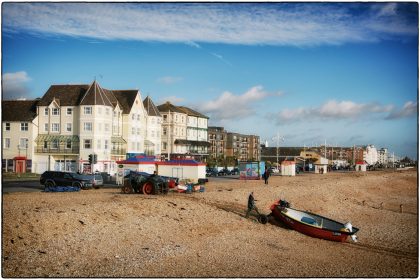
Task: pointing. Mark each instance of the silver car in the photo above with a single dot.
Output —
(96, 179)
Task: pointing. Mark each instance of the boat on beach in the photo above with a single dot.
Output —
(312, 224)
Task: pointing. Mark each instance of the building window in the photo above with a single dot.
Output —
(107, 127)
(68, 144)
(69, 111)
(99, 110)
(46, 127)
(68, 127)
(87, 143)
(46, 112)
(133, 130)
(87, 126)
(164, 145)
(107, 111)
(87, 110)
(164, 131)
(45, 144)
(55, 127)
(55, 111)
(133, 117)
(6, 143)
(106, 145)
(54, 144)
(138, 117)
(138, 131)
(23, 143)
(7, 126)
(24, 127)
(165, 117)
(99, 144)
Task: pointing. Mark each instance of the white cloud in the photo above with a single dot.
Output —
(169, 80)
(299, 24)
(14, 85)
(409, 110)
(332, 110)
(230, 106)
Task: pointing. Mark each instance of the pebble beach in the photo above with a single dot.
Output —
(104, 233)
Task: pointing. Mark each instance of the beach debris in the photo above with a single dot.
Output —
(80, 221)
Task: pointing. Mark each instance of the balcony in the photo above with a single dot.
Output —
(118, 151)
(59, 150)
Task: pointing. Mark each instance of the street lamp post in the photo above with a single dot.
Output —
(278, 138)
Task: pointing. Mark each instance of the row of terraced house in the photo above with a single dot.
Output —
(70, 122)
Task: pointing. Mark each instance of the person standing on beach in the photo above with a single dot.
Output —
(266, 175)
(251, 205)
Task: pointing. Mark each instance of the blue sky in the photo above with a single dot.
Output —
(344, 73)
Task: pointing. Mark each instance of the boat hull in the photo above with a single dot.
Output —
(313, 231)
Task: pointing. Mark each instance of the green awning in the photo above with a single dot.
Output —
(148, 143)
(59, 138)
(119, 140)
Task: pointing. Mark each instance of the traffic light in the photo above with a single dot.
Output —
(95, 158)
(90, 159)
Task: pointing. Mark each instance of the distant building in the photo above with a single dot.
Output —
(383, 156)
(217, 138)
(243, 147)
(370, 155)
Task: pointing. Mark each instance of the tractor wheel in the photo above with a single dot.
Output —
(126, 189)
(148, 188)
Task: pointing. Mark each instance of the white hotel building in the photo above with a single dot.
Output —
(69, 123)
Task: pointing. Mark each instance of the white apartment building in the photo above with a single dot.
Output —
(370, 155)
(383, 156)
(153, 128)
(184, 132)
(70, 123)
(19, 129)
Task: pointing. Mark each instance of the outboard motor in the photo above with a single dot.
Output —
(349, 227)
(284, 203)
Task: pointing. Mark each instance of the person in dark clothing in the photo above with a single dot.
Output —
(266, 175)
(251, 205)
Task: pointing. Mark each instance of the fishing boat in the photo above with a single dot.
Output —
(312, 224)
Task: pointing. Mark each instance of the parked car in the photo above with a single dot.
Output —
(64, 179)
(96, 180)
(223, 172)
(211, 172)
(235, 171)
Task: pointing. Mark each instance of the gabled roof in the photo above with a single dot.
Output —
(126, 99)
(191, 112)
(18, 110)
(95, 95)
(68, 95)
(150, 107)
(166, 107)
